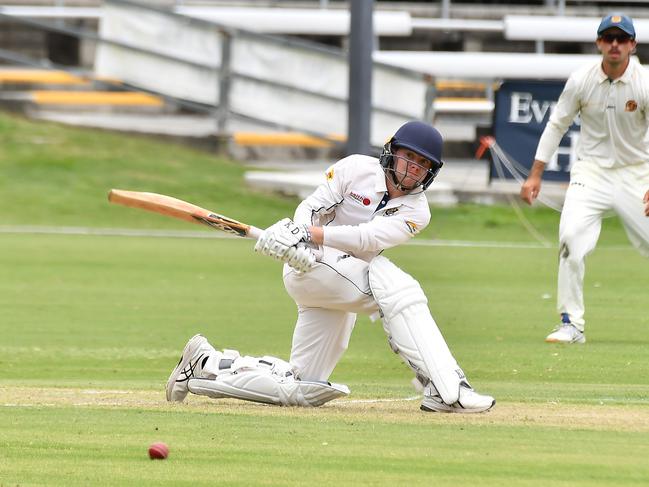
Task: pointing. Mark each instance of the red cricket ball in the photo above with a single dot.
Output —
(158, 451)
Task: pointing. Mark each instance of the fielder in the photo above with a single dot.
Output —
(333, 271)
(612, 168)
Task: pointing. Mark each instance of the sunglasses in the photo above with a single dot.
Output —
(620, 38)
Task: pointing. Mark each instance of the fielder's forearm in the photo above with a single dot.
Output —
(537, 169)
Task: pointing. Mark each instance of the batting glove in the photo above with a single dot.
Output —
(290, 232)
(278, 238)
(300, 258)
(285, 241)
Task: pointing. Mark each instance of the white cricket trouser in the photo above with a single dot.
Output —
(328, 298)
(592, 192)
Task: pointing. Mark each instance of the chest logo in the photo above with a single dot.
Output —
(391, 211)
(631, 106)
(364, 200)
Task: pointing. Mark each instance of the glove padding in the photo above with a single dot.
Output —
(280, 241)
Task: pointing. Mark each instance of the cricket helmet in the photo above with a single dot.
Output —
(421, 138)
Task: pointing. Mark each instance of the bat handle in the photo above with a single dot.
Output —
(254, 232)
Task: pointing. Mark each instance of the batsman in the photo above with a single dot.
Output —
(334, 271)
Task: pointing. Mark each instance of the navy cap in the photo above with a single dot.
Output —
(622, 22)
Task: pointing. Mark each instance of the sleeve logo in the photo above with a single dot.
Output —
(330, 174)
(412, 226)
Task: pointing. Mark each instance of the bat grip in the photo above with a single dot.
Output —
(254, 232)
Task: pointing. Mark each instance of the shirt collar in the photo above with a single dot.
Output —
(625, 78)
(628, 72)
(602, 75)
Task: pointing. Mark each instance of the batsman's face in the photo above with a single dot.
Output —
(615, 45)
(410, 167)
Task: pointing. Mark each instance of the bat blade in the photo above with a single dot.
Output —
(175, 208)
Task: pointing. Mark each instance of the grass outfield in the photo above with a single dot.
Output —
(92, 325)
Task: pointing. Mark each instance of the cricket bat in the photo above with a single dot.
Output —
(173, 207)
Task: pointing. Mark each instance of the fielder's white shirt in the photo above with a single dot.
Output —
(352, 204)
(614, 117)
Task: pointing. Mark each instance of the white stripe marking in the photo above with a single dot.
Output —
(128, 232)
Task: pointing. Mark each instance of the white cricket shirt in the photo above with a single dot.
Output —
(614, 116)
(353, 207)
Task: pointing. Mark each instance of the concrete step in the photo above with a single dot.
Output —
(246, 141)
(94, 98)
(244, 134)
(285, 139)
(29, 77)
(63, 90)
(82, 101)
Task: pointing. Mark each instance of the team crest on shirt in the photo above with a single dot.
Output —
(412, 226)
(390, 211)
(631, 106)
(363, 200)
(330, 174)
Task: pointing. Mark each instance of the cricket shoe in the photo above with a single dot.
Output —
(189, 366)
(469, 401)
(566, 333)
